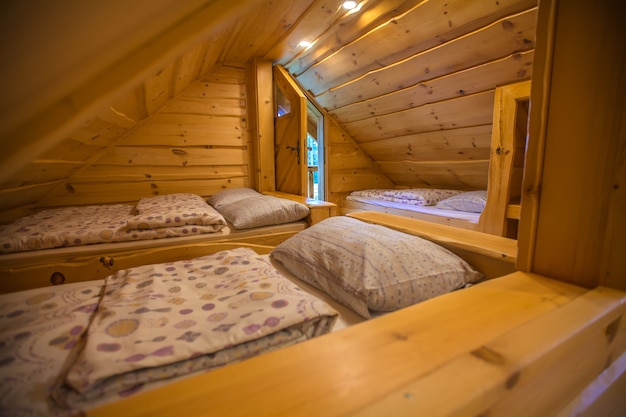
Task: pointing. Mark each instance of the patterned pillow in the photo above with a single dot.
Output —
(472, 201)
(373, 193)
(231, 195)
(414, 196)
(263, 210)
(174, 210)
(371, 268)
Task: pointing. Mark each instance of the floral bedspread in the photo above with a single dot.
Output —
(38, 328)
(152, 218)
(411, 196)
(153, 323)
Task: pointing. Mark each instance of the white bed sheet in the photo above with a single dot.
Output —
(432, 210)
(97, 248)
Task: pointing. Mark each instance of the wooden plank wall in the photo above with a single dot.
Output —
(409, 83)
(196, 142)
(415, 87)
(349, 167)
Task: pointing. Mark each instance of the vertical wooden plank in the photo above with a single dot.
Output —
(539, 97)
(503, 149)
(613, 265)
(580, 216)
(261, 121)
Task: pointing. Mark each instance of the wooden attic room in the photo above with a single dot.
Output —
(127, 104)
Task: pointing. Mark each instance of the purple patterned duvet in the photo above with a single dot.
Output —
(150, 324)
(156, 217)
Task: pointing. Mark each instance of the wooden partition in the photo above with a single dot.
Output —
(573, 220)
(506, 162)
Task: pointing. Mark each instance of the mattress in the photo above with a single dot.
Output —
(432, 210)
(152, 218)
(40, 331)
(226, 233)
(158, 217)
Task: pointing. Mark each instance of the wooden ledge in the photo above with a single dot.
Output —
(513, 211)
(301, 199)
(497, 247)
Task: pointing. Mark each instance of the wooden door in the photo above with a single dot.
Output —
(290, 135)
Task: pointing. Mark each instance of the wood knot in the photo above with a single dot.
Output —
(508, 25)
(611, 329)
(512, 380)
(489, 355)
(399, 336)
(106, 261)
(57, 278)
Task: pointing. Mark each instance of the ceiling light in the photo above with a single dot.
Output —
(305, 44)
(349, 5)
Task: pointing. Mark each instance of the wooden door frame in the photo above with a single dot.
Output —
(295, 125)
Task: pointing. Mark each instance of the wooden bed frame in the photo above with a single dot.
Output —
(506, 164)
(502, 347)
(34, 269)
(520, 335)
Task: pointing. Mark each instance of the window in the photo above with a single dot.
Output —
(315, 152)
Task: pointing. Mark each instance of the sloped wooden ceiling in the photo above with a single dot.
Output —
(411, 82)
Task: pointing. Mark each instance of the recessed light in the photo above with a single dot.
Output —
(305, 44)
(349, 5)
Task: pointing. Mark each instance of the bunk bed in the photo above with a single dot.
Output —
(495, 210)
(112, 237)
(98, 341)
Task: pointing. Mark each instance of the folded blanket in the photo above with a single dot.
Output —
(152, 218)
(169, 210)
(160, 321)
(411, 196)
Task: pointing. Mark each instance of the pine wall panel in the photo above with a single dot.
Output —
(195, 142)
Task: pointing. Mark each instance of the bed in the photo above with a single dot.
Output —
(451, 207)
(495, 209)
(486, 348)
(84, 345)
(70, 347)
(43, 248)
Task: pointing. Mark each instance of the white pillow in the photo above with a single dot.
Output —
(471, 201)
(371, 268)
(264, 210)
(231, 195)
